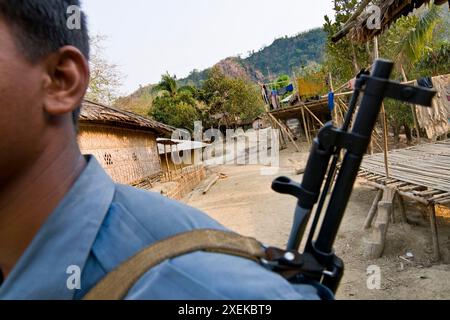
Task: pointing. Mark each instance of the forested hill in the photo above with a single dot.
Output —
(283, 56)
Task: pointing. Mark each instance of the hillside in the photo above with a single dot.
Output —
(283, 56)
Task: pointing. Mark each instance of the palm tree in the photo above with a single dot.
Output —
(406, 43)
(408, 39)
(169, 86)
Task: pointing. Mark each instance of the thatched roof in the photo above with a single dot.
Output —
(391, 11)
(92, 112)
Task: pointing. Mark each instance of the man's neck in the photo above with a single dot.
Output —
(28, 200)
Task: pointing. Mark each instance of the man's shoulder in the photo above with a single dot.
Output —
(137, 219)
(159, 214)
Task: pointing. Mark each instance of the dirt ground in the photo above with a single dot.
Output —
(245, 203)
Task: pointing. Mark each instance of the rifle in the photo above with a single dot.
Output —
(318, 263)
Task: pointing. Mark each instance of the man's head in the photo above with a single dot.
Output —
(44, 74)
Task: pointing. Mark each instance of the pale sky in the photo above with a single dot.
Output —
(146, 38)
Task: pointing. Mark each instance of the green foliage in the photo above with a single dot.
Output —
(174, 106)
(169, 86)
(175, 111)
(398, 113)
(435, 61)
(410, 37)
(343, 59)
(417, 44)
(288, 53)
(230, 96)
(282, 82)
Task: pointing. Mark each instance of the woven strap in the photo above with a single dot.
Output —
(117, 283)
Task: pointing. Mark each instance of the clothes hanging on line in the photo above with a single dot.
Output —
(331, 103)
(283, 91)
(274, 100)
(265, 94)
(426, 82)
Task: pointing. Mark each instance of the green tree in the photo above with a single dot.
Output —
(406, 43)
(344, 59)
(175, 106)
(435, 61)
(282, 82)
(169, 86)
(233, 97)
(408, 40)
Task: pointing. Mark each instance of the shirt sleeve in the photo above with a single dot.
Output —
(210, 276)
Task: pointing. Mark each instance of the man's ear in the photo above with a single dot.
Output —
(66, 80)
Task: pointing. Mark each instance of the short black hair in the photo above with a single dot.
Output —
(41, 27)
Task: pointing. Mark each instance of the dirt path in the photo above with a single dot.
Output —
(245, 203)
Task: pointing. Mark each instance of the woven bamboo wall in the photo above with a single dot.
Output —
(128, 156)
(185, 181)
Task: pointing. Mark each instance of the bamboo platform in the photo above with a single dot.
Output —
(421, 173)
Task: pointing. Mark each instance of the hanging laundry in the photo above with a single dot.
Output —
(265, 94)
(426, 82)
(283, 91)
(275, 100)
(331, 101)
(435, 120)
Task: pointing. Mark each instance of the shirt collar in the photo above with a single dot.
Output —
(64, 241)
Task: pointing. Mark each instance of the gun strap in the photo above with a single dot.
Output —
(117, 283)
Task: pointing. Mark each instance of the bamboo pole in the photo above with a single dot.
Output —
(167, 163)
(383, 117)
(434, 232)
(305, 127)
(286, 132)
(314, 116)
(416, 122)
(373, 209)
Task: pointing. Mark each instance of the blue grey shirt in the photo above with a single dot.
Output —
(99, 225)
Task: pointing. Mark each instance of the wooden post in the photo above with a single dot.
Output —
(413, 111)
(283, 129)
(178, 167)
(275, 126)
(314, 116)
(434, 232)
(167, 163)
(375, 245)
(373, 210)
(383, 118)
(305, 127)
(402, 207)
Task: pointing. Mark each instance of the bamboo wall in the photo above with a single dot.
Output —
(185, 180)
(129, 156)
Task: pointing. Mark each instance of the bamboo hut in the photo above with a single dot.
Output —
(124, 143)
